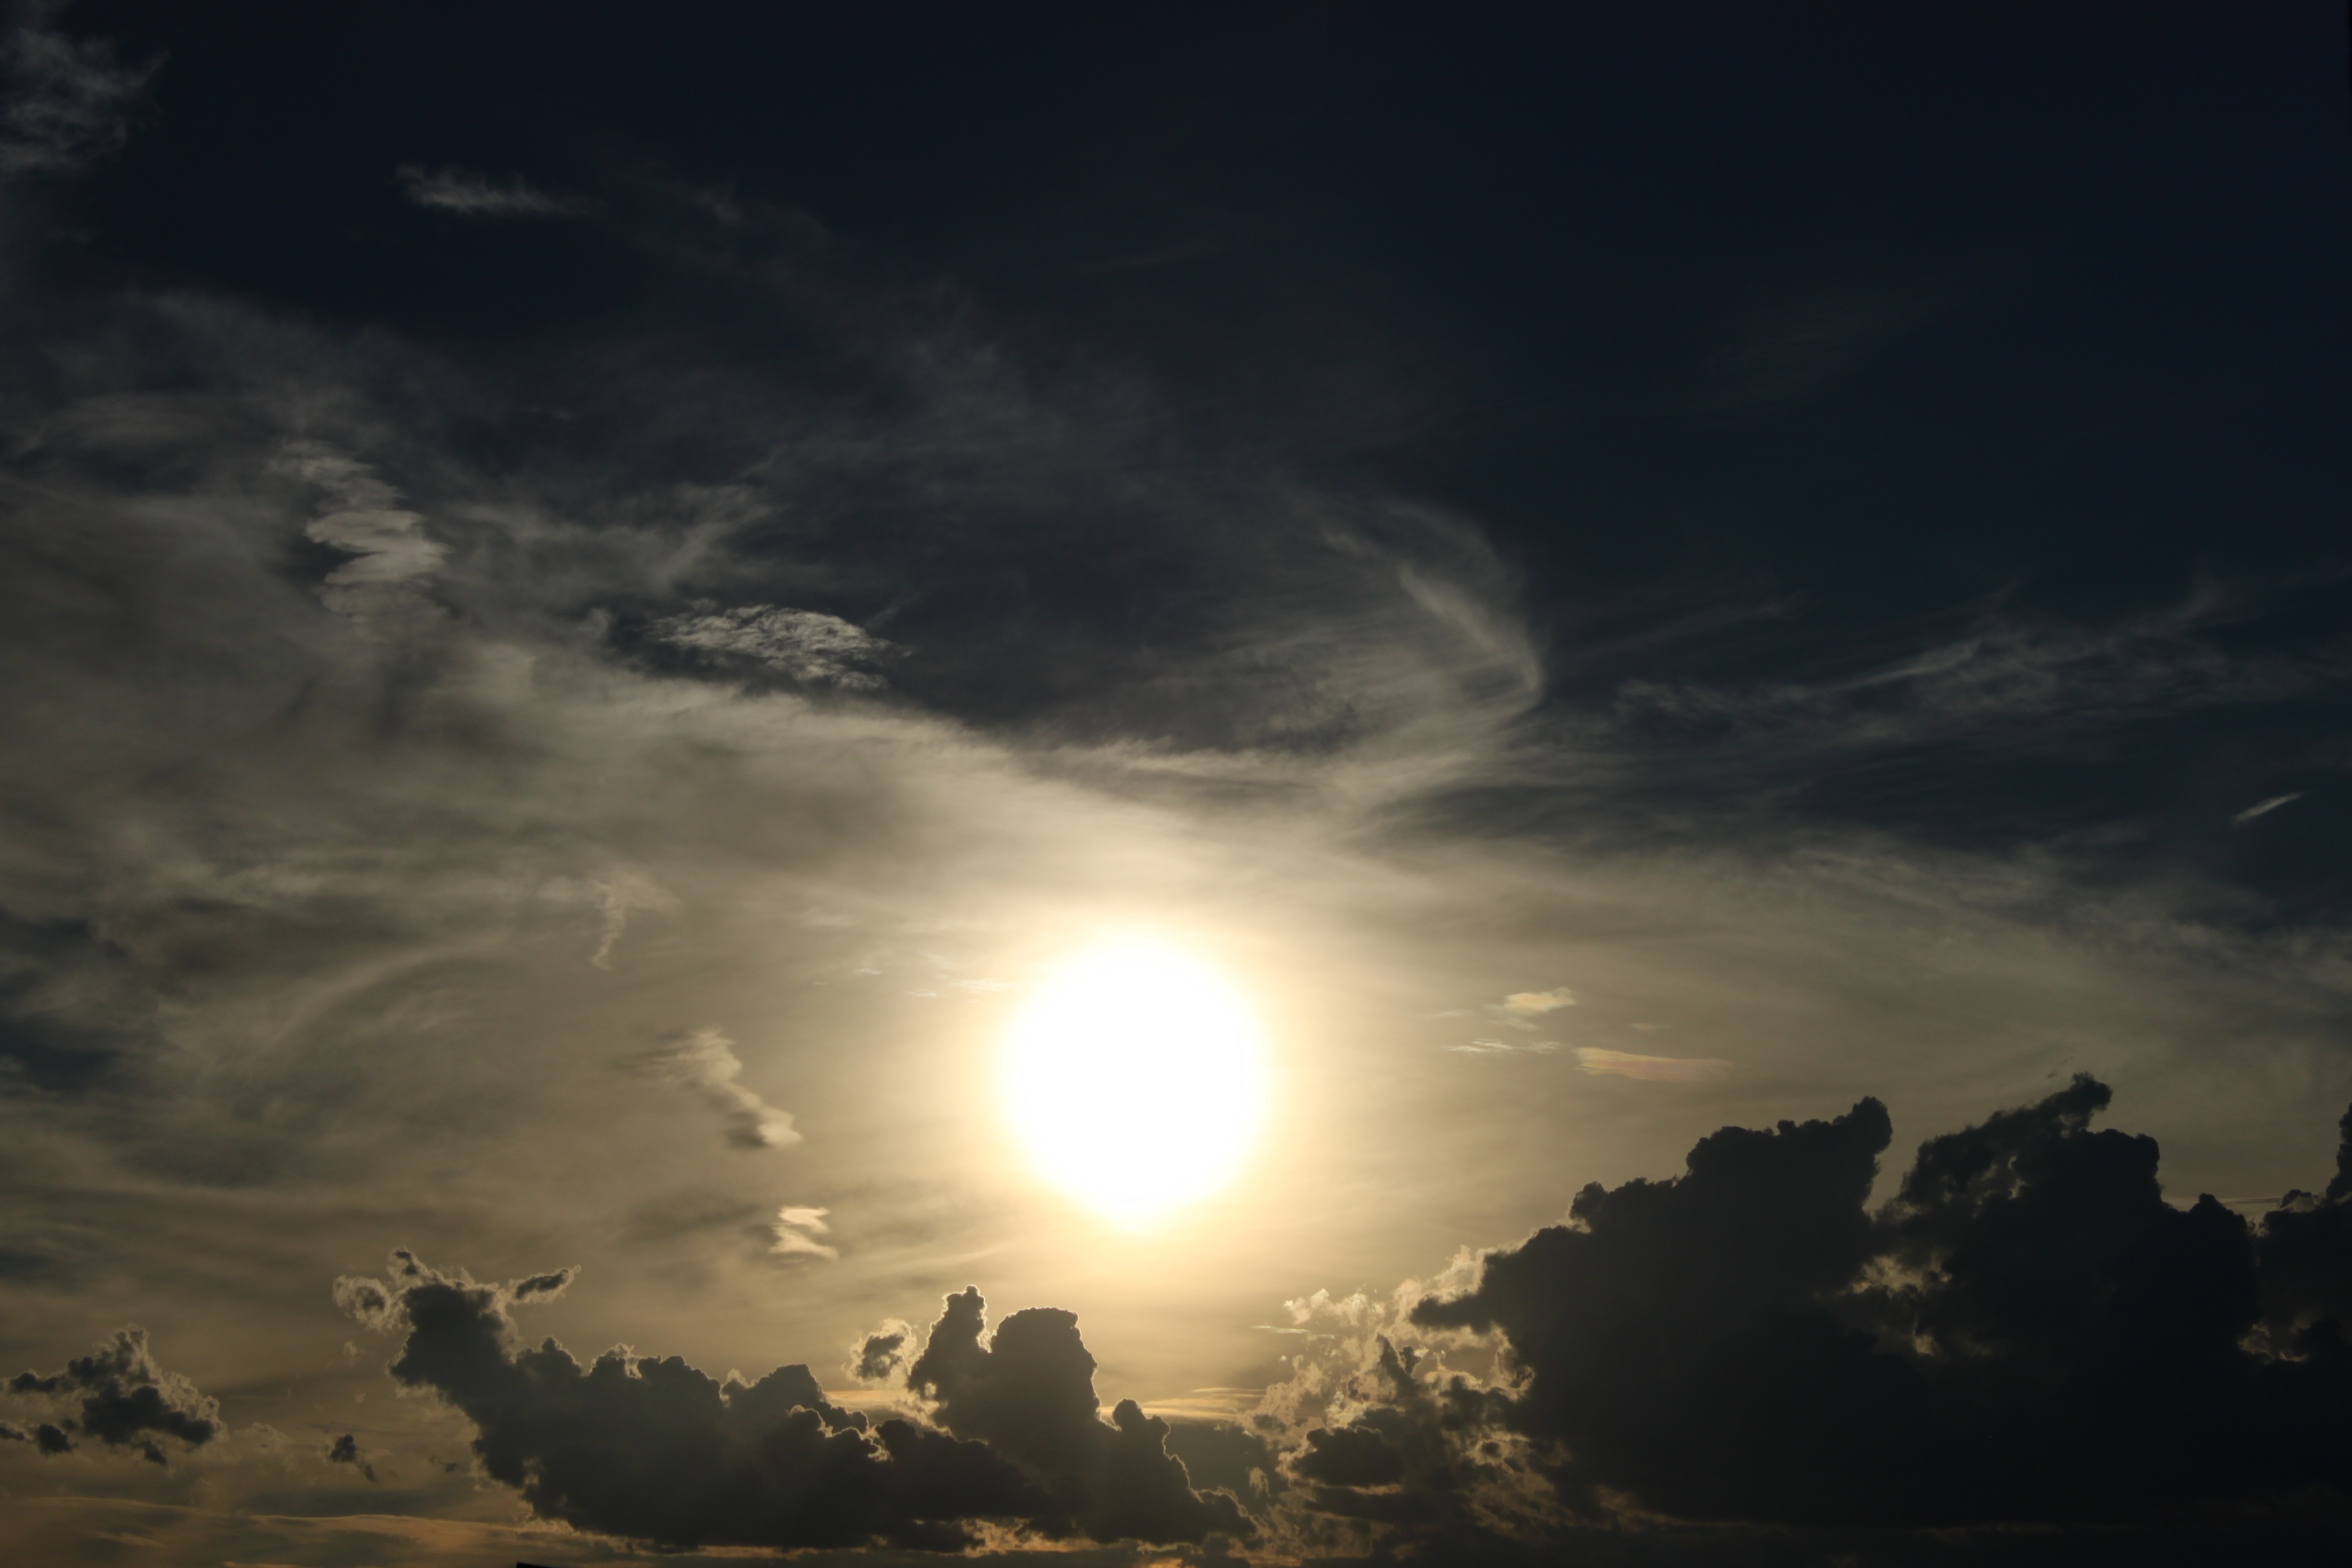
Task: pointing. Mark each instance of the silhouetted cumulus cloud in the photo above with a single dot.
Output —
(883, 1354)
(652, 1449)
(2026, 1333)
(1029, 1394)
(345, 1450)
(1744, 1363)
(48, 1437)
(121, 1399)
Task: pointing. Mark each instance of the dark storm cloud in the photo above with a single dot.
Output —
(653, 1449)
(1029, 1394)
(2027, 1331)
(124, 1400)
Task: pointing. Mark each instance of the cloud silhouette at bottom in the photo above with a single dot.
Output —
(653, 1449)
(2026, 1355)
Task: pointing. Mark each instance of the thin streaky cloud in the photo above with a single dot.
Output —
(1503, 1048)
(2264, 807)
(796, 1229)
(1650, 1070)
(476, 195)
(1538, 1002)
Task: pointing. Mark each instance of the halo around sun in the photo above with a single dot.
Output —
(1136, 1080)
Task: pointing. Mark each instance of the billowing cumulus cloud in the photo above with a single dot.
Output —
(1029, 1394)
(121, 1397)
(652, 1449)
(884, 1354)
(2026, 1330)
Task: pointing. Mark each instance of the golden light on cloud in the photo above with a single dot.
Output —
(1534, 1003)
(1136, 1078)
(1656, 1070)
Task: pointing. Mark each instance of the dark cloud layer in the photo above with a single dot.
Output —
(653, 1449)
(122, 1399)
(2028, 1331)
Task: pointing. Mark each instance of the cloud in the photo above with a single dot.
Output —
(475, 195)
(2027, 1330)
(390, 556)
(68, 102)
(1028, 1393)
(651, 1450)
(1655, 1069)
(796, 1230)
(48, 1437)
(1533, 1004)
(884, 1354)
(1503, 1048)
(1516, 1012)
(705, 1061)
(345, 1450)
(2264, 807)
(124, 1400)
(808, 646)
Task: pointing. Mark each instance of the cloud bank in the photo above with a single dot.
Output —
(2026, 1335)
(652, 1449)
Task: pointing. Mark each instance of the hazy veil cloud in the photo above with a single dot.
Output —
(68, 102)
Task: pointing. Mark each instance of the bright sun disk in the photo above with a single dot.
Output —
(1135, 1078)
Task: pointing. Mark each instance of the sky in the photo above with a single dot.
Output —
(1175, 785)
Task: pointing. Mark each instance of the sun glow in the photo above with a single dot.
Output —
(1136, 1078)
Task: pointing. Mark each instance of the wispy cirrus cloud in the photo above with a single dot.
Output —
(2264, 807)
(477, 195)
(70, 101)
(1503, 1048)
(1603, 1063)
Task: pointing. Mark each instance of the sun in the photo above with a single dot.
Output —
(1136, 1078)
